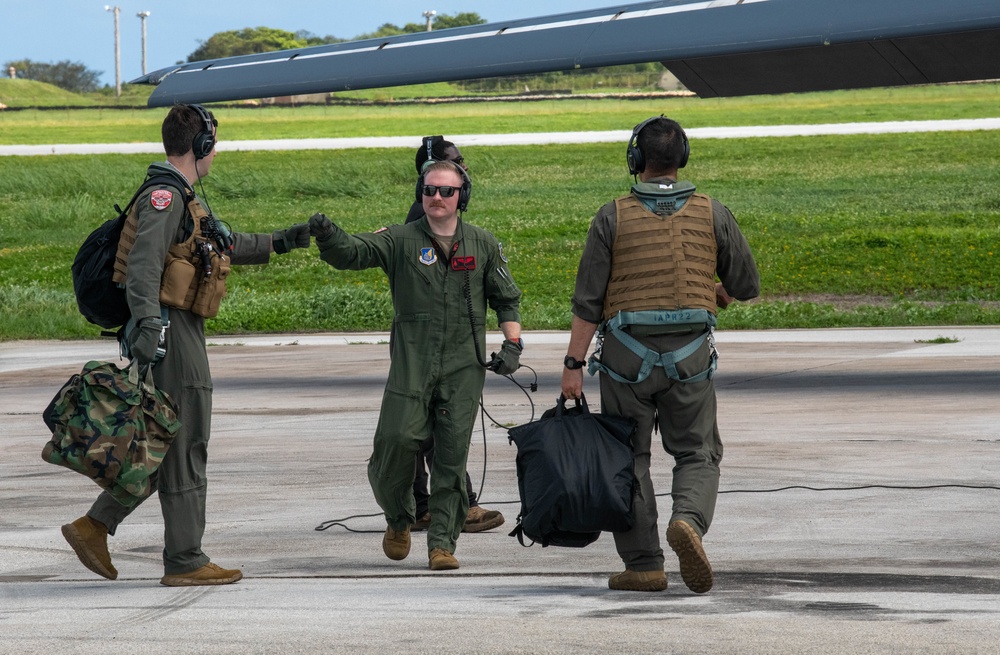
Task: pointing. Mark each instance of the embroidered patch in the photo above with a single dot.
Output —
(502, 256)
(381, 229)
(463, 263)
(160, 199)
(428, 256)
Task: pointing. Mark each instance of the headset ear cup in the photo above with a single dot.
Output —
(687, 153)
(634, 157)
(420, 188)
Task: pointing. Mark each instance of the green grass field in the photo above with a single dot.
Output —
(848, 230)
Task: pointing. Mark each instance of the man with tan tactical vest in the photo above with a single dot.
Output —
(647, 283)
(173, 259)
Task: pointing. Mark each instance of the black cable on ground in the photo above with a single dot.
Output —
(902, 487)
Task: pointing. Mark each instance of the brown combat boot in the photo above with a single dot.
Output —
(630, 580)
(210, 574)
(396, 543)
(89, 539)
(479, 519)
(421, 523)
(442, 560)
(695, 567)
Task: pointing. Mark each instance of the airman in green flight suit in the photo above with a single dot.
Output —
(443, 273)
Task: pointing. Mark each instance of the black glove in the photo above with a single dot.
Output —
(320, 226)
(508, 359)
(297, 236)
(144, 339)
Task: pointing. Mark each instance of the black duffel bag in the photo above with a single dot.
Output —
(575, 476)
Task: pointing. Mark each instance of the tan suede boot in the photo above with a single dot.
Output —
(210, 574)
(479, 519)
(630, 580)
(695, 567)
(442, 560)
(396, 543)
(89, 539)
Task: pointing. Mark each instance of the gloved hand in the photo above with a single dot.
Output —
(297, 236)
(320, 226)
(508, 359)
(144, 339)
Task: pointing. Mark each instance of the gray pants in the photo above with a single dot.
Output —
(686, 417)
(181, 481)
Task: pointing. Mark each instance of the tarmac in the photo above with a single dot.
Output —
(858, 512)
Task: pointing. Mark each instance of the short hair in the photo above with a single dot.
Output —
(180, 127)
(662, 144)
(438, 147)
(445, 165)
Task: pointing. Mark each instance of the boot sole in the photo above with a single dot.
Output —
(696, 571)
(168, 581)
(86, 557)
(485, 525)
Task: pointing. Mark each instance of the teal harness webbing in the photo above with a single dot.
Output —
(651, 358)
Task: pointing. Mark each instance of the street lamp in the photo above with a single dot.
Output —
(429, 15)
(143, 15)
(118, 51)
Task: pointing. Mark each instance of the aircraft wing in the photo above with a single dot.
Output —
(715, 48)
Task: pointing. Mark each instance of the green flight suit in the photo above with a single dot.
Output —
(183, 374)
(435, 377)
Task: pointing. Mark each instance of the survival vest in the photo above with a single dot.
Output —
(99, 298)
(195, 270)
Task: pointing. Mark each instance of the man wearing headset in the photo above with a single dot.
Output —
(443, 273)
(479, 519)
(174, 277)
(648, 281)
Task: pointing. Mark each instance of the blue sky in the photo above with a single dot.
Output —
(82, 31)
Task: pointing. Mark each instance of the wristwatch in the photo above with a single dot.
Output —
(572, 363)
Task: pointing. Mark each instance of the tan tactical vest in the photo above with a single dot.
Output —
(662, 262)
(194, 271)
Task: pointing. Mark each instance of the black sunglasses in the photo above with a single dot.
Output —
(446, 191)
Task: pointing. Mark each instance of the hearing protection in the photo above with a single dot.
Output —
(634, 156)
(204, 141)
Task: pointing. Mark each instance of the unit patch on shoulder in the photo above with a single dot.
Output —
(502, 256)
(428, 256)
(160, 199)
(381, 229)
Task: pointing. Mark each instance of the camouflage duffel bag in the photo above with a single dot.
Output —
(110, 427)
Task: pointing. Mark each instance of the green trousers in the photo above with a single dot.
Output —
(446, 410)
(181, 482)
(686, 417)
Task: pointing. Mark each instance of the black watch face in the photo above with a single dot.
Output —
(572, 363)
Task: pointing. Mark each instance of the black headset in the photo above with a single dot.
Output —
(204, 141)
(633, 155)
(464, 194)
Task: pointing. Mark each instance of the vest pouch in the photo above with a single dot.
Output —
(212, 289)
(177, 287)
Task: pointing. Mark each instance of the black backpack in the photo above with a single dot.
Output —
(575, 476)
(100, 299)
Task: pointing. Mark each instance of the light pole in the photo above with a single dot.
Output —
(143, 15)
(429, 15)
(118, 51)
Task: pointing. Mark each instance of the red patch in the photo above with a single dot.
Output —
(161, 199)
(381, 229)
(463, 263)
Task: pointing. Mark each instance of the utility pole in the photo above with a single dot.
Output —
(429, 15)
(143, 15)
(118, 51)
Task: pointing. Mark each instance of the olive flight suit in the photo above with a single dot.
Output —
(183, 374)
(435, 377)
